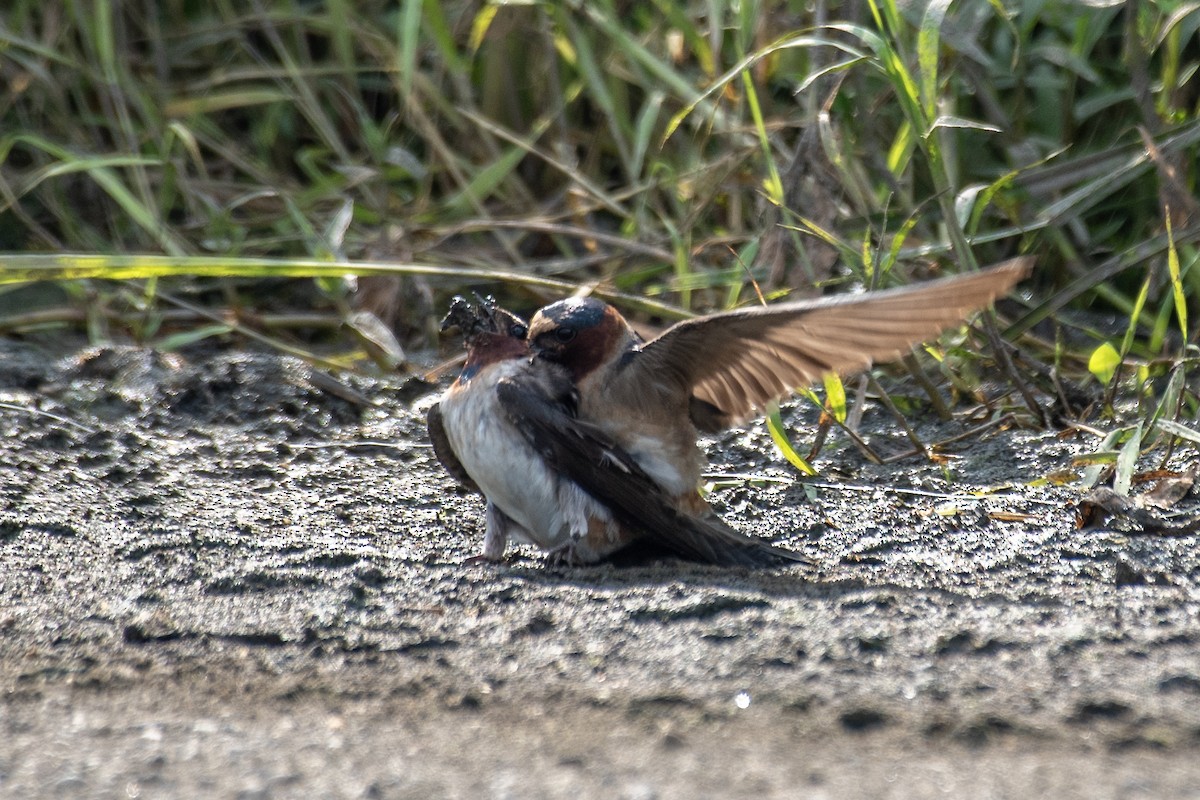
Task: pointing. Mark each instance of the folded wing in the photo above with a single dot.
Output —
(585, 455)
(444, 452)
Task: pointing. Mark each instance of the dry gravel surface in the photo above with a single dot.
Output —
(218, 580)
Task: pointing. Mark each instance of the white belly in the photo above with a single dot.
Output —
(510, 474)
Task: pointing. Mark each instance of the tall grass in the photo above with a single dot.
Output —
(673, 150)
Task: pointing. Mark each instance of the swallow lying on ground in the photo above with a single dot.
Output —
(710, 373)
(507, 428)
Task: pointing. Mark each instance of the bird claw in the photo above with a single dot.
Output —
(569, 555)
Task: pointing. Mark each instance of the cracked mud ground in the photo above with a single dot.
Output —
(228, 583)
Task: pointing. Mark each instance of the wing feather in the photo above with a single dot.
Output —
(741, 360)
(442, 449)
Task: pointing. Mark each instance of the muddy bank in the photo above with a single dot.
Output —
(217, 577)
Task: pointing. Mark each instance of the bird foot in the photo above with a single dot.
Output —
(570, 555)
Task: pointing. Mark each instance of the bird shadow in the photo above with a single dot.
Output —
(647, 567)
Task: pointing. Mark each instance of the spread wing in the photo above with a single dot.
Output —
(739, 361)
(443, 450)
(585, 455)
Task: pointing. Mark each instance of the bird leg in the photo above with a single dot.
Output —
(495, 537)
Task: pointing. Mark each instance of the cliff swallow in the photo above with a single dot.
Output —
(710, 373)
(507, 428)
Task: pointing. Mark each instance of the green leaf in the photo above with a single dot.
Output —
(1168, 406)
(772, 183)
(835, 396)
(407, 35)
(485, 182)
(1127, 461)
(779, 436)
(1099, 460)
(950, 121)
(644, 130)
(901, 150)
(185, 338)
(1182, 431)
(1104, 362)
(1134, 316)
(479, 26)
(1176, 282)
(439, 30)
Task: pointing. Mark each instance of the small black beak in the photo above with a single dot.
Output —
(544, 353)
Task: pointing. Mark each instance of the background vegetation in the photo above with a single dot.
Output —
(678, 152)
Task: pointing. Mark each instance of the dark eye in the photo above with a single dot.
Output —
(564, 334)
(517, 331)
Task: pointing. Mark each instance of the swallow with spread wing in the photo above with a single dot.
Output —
(710, 373)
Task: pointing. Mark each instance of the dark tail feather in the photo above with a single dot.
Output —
(709, 540)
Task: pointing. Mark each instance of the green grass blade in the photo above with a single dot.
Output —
(928, 46)
(780, 438)
(1127, 461)
(1135, 317)
(1181, 310)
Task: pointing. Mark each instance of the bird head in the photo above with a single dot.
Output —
(581, 333)
(490, 333)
